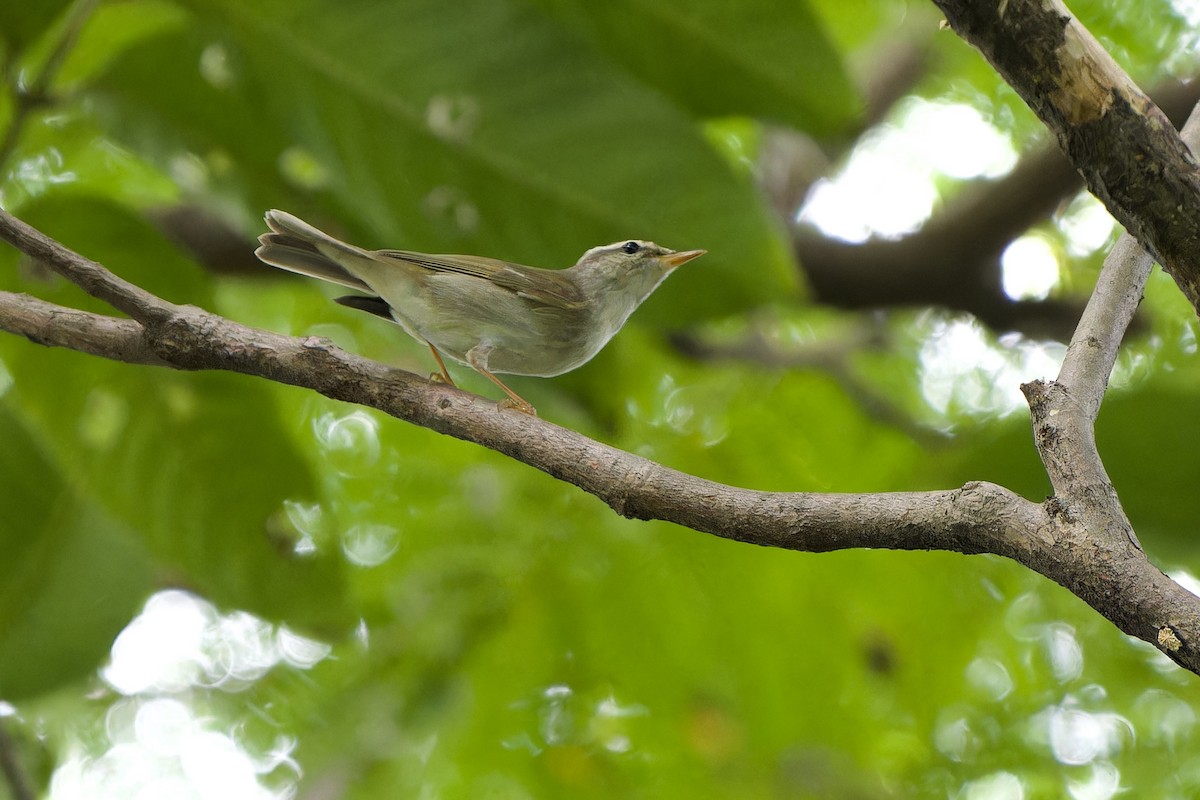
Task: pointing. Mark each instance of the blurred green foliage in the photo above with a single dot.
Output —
(496, 633)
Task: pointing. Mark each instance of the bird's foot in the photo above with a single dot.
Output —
(519, 405)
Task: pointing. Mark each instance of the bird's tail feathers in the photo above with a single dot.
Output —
(294, 245)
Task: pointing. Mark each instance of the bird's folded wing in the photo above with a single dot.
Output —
(546, 286)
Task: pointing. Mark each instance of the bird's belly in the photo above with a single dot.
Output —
(508, 333)
(510, 352)
(539, 349)
(544, 362)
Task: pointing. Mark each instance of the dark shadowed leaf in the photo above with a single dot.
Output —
(22, 23)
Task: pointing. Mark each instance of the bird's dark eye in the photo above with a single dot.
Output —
(630, 247)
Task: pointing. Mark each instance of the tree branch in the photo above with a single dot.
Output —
(56, 326)
(1129, 154)
(1093, 350)
(1111, 575)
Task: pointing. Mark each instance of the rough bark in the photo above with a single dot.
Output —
(1127, 151)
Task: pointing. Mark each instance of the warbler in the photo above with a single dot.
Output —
(494, 316)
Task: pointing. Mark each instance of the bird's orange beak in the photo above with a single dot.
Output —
(678, 259)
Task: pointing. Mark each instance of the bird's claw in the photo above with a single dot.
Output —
(518, 405)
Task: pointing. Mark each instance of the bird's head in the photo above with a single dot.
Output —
(633, 267)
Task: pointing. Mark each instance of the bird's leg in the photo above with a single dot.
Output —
(477, 358)
(513, 400)
(445, 376)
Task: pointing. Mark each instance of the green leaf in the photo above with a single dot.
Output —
(73, 575)
(763, 58)
(1130, 437)
(111, 28)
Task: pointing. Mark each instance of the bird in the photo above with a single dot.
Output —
(494, 316)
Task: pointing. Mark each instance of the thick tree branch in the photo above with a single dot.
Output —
(1127, 151)
(56, 326)
(1109, 573)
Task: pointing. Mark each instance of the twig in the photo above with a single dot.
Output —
(1063, 412)
(1093, 350)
